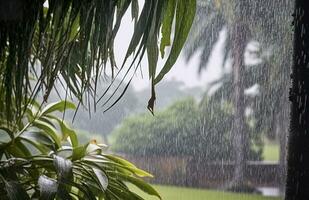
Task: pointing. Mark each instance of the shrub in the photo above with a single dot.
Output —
(43, 159)
(183, 129)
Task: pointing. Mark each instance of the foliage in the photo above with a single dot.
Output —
(73, 42)
(42, 158)
(184, 129)
(272, 74)
(102, 123)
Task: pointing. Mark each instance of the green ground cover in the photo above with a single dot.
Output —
(179, 193)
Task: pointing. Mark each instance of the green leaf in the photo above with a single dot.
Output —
(167, 26)
(78, 152)
(127, 167)
(58, 106)
(134, 10)
(48, 188)
(140, 184)
(140, 28)
(18, 150)
(103, 180)
(185, 13)
(37, 136)
(119, 160)
(74, 28)
(63, 167)
(15, 191)
(39, 140)
(49, 131)
(66, 131)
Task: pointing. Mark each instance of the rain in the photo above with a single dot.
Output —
(212, 105)
(222, 113)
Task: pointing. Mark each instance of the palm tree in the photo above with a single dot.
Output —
(213, 18)
(219, 16)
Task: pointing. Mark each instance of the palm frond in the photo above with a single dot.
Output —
(74, 41)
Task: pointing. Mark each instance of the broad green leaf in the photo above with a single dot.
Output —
(48, 130)
(58, 106)
(17, 150)
(48, 188)
(120, 160)
(66, 131)
(39, 146)
(37, 136)
(8, 133)
(132, 169)
(78, 152)
(63, 167)
(124, 193)
(103, 180)
(185, 13)
(140, 184)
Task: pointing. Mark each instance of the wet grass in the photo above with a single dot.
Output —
(179, 193)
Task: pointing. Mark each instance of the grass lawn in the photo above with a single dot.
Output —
(179, 193)
(271, 151)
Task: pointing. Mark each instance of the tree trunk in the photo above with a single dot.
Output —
(297, 187)
(239, 39)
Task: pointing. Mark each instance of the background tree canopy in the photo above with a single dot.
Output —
(185, 128)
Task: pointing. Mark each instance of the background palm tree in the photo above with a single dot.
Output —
(272, 75)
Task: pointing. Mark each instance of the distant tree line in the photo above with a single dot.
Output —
(186, 128)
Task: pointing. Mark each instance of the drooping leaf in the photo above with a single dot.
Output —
(74, 28)
(167, 26)
(140, 184)
(58, 106)
(185, 13)
(67, 131)
(134, 10)
(63, 167)
(48, 130)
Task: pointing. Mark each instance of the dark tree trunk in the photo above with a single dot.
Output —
(239, 39)
(297, 187)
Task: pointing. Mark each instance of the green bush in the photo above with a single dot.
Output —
(183, 129)
(42, 158)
